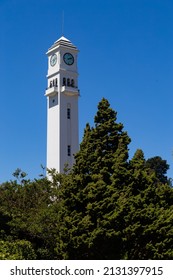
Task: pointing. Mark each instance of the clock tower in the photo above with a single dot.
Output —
(62, 104)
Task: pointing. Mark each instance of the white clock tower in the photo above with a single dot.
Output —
(62, 104)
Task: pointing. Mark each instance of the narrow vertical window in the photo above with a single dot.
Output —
(72, 83)
(68, 113)
(56, 82)
(69, 150)
(68, 82)
(64, 81)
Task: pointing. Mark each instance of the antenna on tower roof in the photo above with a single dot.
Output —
(63, 23)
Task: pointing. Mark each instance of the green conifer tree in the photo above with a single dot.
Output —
(148, 218)
(89, 196)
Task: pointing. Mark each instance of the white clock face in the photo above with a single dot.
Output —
(53, 60)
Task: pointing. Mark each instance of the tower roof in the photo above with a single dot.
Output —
(64, 42)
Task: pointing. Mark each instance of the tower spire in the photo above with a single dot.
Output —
(63, 23)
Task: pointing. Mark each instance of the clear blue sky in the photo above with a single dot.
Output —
(126, 56)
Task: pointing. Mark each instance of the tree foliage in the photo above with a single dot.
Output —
(16, 250)
(107, 207)
(160, 167)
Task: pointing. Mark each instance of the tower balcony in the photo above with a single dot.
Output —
(68, 90)
(51, 91)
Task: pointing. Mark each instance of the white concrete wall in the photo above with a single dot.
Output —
(53, 137)
(69, 129)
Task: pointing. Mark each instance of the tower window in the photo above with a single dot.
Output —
(64, 81)
(68, 82)
(56, 82)
(69, 150)
(68, 113)
(72, 83)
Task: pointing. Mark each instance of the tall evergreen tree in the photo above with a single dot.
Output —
(89, 197)
(148, 218)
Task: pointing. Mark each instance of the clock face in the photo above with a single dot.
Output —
(68, 58)
(53, 59)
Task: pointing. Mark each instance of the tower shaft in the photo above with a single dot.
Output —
(62, 105)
